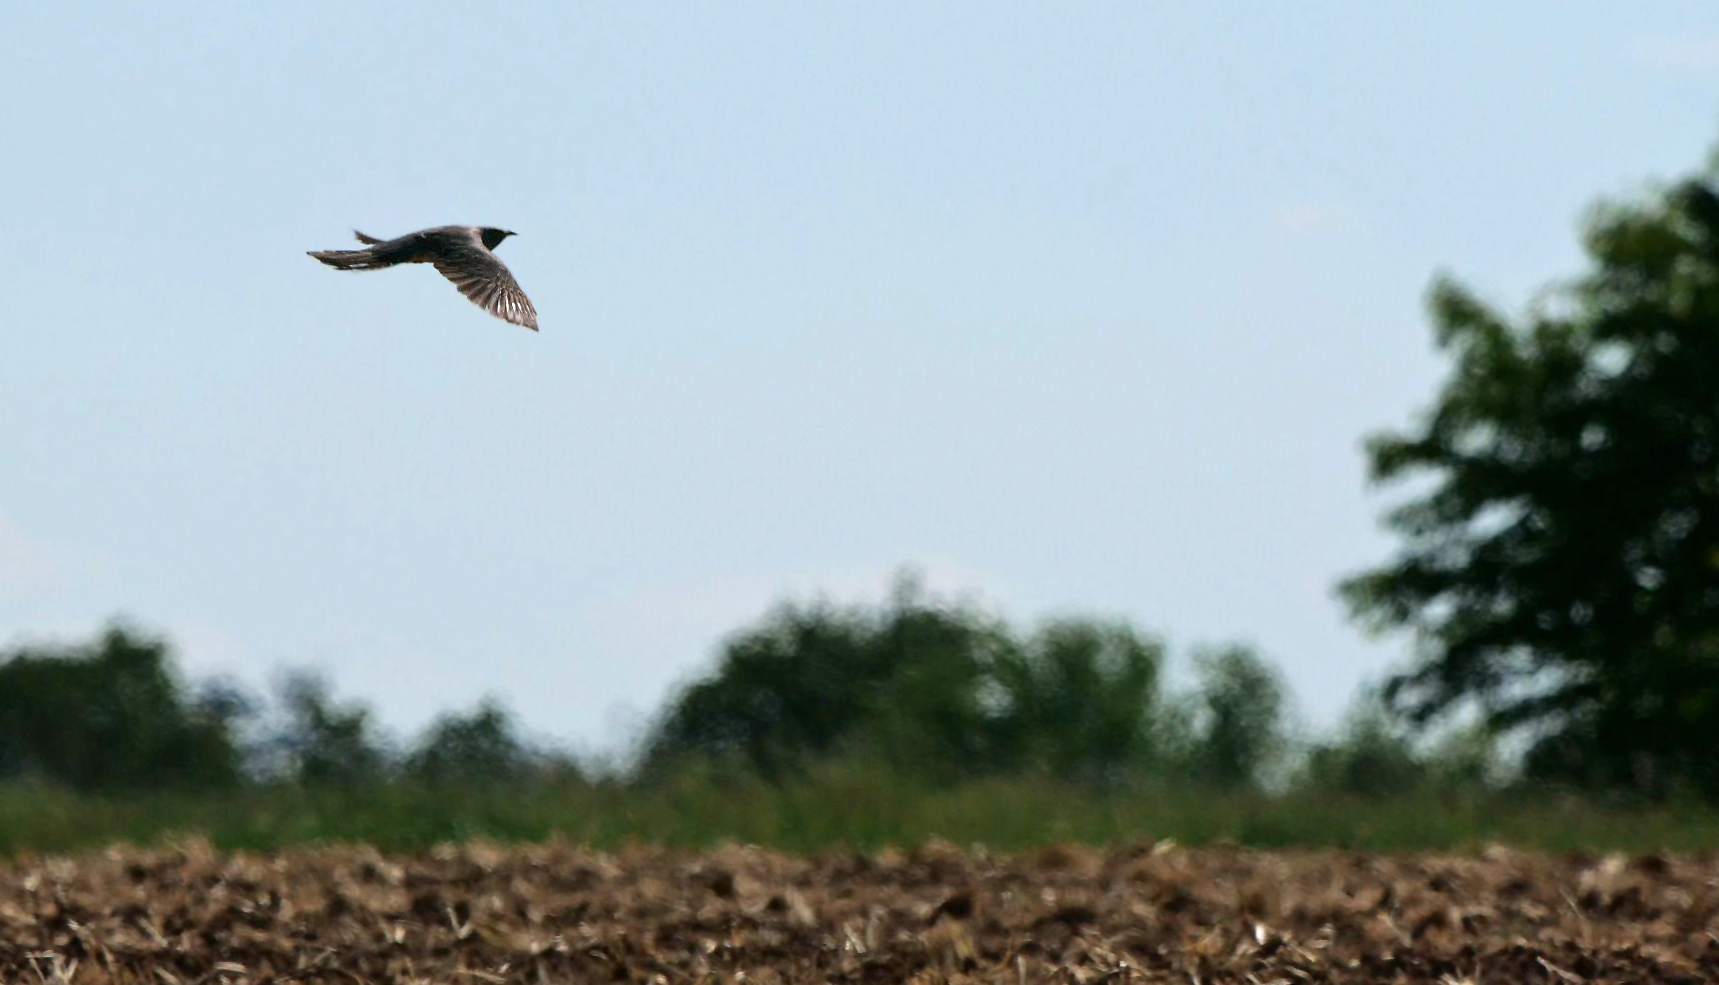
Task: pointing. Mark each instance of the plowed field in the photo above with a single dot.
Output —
(477, 913)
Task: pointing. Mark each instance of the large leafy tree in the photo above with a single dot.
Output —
(937, 690)
(113, 714)
(475, 749)
(1079, 700)
(1559, 567)
(813, 681)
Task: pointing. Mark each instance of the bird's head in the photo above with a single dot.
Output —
(492, 236)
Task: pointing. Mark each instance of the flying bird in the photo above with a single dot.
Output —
(463, 254)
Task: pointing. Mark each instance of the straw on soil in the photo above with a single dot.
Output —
(552, 913)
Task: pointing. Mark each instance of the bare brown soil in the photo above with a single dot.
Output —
(480, 914)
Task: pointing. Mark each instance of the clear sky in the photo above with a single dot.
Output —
(1082, 308)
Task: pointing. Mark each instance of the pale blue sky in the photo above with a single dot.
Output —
(1084, 308)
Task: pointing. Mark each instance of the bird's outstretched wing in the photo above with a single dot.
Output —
(487, 282)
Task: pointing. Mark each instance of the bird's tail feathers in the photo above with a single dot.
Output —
(350, 259)
(365, 239)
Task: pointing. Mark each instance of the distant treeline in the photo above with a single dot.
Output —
(947, 693)
(933, 692)
(114, 714)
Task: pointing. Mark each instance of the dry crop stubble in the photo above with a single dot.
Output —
(557, 913)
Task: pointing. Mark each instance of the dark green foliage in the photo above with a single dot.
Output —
(112, 714)
(1080, 700)
(1563, 569)
(788, 689)
(324, 743)
(479, 749)
(936, 691)
(1238, 719)
(811, 682)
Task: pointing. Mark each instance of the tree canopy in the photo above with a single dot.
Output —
(936, 689)
(1559, 567)
(112, 714)
(947, 692)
